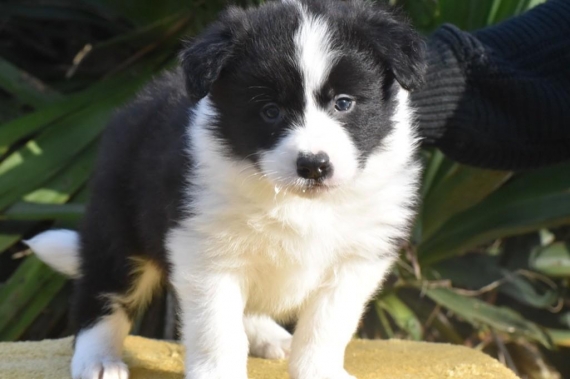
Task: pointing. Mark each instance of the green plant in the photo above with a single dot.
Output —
(466, 278)
(488, 264)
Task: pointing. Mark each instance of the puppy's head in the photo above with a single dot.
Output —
(304, 90)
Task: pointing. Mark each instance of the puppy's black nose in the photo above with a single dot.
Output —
(314, 166)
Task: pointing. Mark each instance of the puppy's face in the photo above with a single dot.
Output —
(304, 90)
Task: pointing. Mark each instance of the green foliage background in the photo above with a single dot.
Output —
(489, 262)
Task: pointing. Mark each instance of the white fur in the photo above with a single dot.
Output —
(98, 349)
(315, 55)
(58, 249)
(251, 248)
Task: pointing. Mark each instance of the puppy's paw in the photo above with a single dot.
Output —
(267, 339)
(278, 348)
(106, 368)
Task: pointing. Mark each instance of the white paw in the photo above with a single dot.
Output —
(276, 349)
(99, 369)
(267, 339)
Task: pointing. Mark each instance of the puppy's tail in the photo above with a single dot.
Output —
(59, 249)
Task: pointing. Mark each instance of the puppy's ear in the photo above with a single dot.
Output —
(398, 46)
(203, 58)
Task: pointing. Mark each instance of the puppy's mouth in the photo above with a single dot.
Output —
(314, 185)
(311, 187)
(301, 186)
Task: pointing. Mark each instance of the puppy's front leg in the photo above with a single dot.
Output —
(330, 318)
(213, 333)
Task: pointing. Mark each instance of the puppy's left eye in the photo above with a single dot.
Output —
(343, 104)
(271, 113)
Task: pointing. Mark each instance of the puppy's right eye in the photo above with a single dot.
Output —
(271, 112)
(343, 103)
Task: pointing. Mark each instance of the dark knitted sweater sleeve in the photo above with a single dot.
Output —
(499, 98)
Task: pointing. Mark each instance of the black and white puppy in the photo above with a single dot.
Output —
(271, 177)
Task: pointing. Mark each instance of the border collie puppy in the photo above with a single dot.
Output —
(270, 177)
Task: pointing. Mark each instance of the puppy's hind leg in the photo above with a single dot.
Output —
(105, 303)
(267, 339)
(98, 348)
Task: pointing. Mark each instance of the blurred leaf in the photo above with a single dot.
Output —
(446, 329)
(15, 130)
(505, 9)
(477, 271)
(560, 337)
(480, 313)
(60, 189)
(56, 191)
(33, 308)
(470, 14)
(462, 188)
(477, 226)
(11, 232)
(479, 14)
(59, 12)
(564, 319)
(384, 322)
(401, 314)
(532, 201)
(423, 13)
(29, 211)
(57, 145)
(433, 166)
(142, 35)
(433, 320)
(552, 260)
(455, 12)
(10, 108)
(438, 168)
(25, 87)
(144, 13)
(532, 3)
(31, 285)
(465, 14)
(50, 320)
(7, 240)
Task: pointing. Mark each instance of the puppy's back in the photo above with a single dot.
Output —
(139, 175)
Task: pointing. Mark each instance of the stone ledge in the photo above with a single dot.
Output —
(151, 359)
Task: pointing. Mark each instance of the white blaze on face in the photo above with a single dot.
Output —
(319, 132)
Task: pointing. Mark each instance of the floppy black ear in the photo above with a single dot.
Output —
(203, 58)
(399, 46)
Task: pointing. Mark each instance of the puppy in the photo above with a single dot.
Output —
(270, 177)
